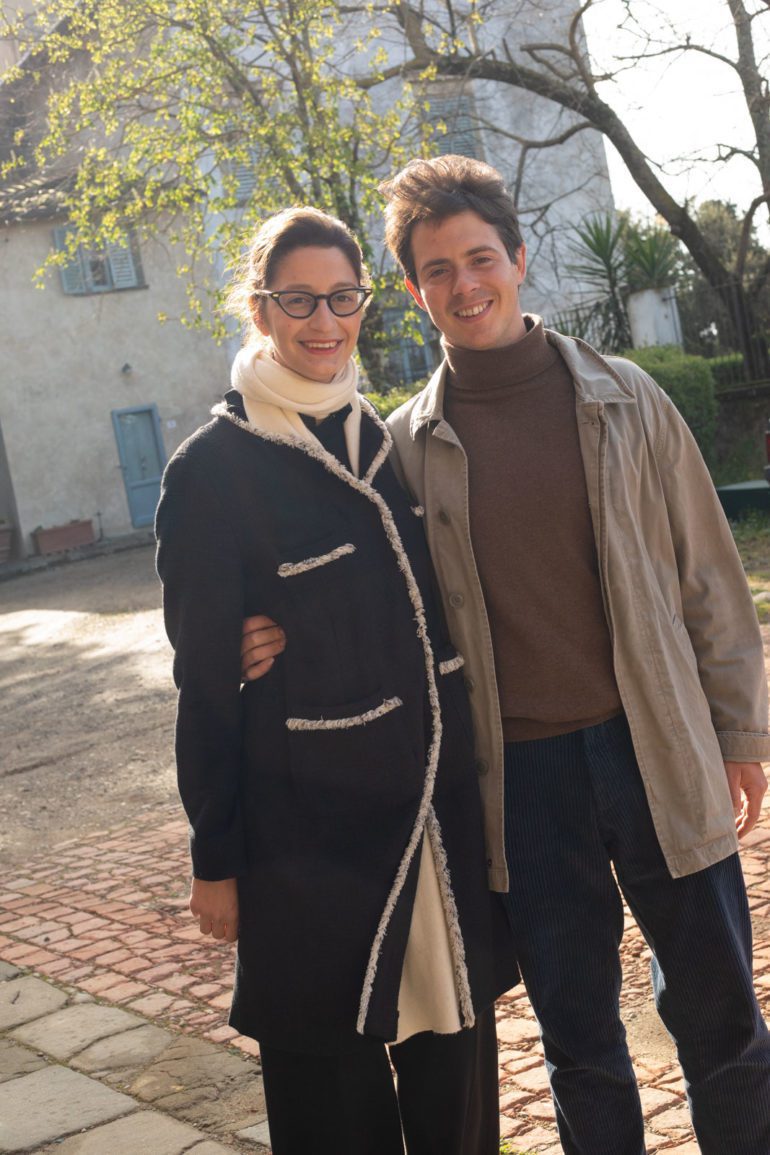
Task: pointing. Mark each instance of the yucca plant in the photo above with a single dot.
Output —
(601, 264)
(614, 258)
(652, 257)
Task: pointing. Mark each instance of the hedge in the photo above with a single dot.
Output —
(689, 382)
(385, 403)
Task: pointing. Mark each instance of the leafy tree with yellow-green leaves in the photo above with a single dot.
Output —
(196, 119)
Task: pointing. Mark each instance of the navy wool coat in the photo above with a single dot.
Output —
(316, 784)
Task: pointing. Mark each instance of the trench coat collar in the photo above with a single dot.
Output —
(594, 377)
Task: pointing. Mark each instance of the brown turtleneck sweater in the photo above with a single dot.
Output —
(513, 410)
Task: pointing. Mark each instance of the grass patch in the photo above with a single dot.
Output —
(752, 536)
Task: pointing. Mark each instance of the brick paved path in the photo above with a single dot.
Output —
(107, 915)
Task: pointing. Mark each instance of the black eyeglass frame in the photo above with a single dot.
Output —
(275, 295)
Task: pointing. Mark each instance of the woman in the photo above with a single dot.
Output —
(334, 809)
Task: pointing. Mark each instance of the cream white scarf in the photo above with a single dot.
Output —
(274, 397)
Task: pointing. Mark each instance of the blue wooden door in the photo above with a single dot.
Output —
(142, 457)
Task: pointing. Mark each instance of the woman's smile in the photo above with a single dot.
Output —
(319, 346)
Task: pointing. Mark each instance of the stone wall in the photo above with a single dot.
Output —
(68, 361)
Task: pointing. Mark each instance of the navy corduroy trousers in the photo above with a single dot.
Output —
(575, 807)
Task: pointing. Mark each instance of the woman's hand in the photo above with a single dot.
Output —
(215, 905)
(262, 639)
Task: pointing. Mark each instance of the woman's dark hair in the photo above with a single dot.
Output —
(290, 229)
(432, 190)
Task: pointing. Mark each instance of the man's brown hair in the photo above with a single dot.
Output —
(432, 190)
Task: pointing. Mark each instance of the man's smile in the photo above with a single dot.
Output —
(474, 310)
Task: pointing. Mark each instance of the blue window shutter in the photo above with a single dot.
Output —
(122, 267)
(246, 178)
(71, 274)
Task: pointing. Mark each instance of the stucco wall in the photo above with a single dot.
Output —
(61, 378)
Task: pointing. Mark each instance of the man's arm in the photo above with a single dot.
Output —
(717, 611)
(717, 608)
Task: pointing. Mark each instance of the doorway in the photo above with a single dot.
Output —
(142, 458)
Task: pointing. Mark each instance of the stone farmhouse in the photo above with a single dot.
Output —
(96, 394)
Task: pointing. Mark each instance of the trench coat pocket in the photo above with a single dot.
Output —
(452, 690)
(353, 758)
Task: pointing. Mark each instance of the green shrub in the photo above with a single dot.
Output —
(741, 461)
(385, 403)
(688, 381)
(728, 371)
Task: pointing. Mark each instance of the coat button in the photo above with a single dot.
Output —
(470, 685)
(482, 767)
(456, 600)
(444, 517)
(489, 863)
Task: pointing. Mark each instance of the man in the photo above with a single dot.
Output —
(615, 667)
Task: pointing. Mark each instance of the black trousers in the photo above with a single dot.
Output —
(445, 1099)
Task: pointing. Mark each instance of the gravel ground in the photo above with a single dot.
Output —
(87, 701)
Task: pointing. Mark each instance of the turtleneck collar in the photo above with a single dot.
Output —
(481, 370)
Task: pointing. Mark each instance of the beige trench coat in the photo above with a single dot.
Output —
(686, 643)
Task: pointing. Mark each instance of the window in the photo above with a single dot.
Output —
(241, 175)
(453, 109)
(407, 361)
(246, 177)
(116, 266)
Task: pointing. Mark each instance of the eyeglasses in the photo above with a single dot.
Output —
(343, 303)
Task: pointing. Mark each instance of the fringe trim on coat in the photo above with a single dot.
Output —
(290, 568)
(453, 920)
(451, 664)
(344, 723)
(418, 511)
(364, 486)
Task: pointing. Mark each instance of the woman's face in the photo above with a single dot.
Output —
(317, 346)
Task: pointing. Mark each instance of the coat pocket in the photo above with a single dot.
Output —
(288, 569)
(327, 718)
(453, 695)
(323, 583)
(354, 760)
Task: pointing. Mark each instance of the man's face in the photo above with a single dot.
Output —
(468, 284)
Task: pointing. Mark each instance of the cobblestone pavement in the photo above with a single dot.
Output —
(105, 920)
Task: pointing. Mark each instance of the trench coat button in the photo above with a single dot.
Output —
(456, 600)
(489, 862)
(444, 517)
(482, 767)
(470, 685)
